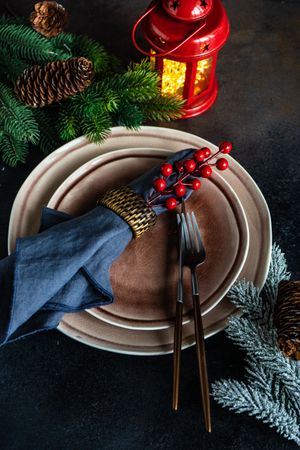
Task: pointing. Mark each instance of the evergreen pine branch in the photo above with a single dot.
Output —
(84, 46)
(138, 84)
(64, 42)
(144, 65)
(260, 378)
(12, 151)
(126, 98)
(11, 68)
(260, 344)
(49, 137)
(87, 113)
(259, 340)
(88, 103)
(246, 296)
(277, 271)
(272, 390)
(241, 397)
(265, 378)
(23, 42)
(95, 52)
(162, 108)
(97, 128)
(129, 115)
(69, 124)
(17, 120)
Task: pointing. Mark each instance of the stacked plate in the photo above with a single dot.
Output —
(231, 211)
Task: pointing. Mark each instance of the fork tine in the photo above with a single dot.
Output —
(194, 244)
(181, 249)
(198, 234)
(186, 236)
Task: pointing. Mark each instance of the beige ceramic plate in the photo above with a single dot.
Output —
(144, 278)
(53, 170)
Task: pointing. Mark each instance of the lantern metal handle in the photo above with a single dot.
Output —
(148, 11)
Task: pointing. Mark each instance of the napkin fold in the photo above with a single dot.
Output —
(66, 267)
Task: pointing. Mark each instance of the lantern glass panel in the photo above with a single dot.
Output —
(173, 77)
(152, 59)
(202, 75)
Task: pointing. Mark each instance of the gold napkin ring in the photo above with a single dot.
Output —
(131, 207)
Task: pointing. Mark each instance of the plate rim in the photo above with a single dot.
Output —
(236, 207)
(186, 139)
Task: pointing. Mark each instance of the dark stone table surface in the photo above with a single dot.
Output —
(58, 394)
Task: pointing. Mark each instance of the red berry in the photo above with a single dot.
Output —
(166, 169)
(199, 155)
(205, 171)
(225, 147)
(207, 152)
(159, 184)
(190, 165)
(179, 166)
(222, 164)
(180, 190)
(171, 203)
(196, 184)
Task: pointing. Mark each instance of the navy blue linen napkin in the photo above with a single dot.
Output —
(66, 267)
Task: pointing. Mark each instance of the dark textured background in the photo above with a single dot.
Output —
(58, 394)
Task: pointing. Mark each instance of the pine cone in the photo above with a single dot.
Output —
(40, 86)
(49, 18)
(287, 318)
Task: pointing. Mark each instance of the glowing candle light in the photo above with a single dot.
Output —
(185, 37)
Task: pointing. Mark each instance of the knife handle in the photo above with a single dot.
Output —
(201, 357)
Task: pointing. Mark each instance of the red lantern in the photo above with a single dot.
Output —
(185, 37)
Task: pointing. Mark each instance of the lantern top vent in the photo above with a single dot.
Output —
(187, 10)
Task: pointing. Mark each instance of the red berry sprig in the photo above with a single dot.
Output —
(171, 203)
(225, 147)
(159, 184)
(205, 171)
(199, 166)
(222, 164)
(166, 169)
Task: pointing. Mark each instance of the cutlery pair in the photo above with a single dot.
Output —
(191, 254)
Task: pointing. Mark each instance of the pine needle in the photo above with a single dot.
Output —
(17, 120)
(88, 103)
(241, 398)
(11, 68)
(138, 84)
(69, 125)
(163, 108)
(114, 97)
(12, 151)
(25, 43)
(64, 42)
(47, 122)
(98, 128)
(272, 391)
(129, 115)
(95, 52)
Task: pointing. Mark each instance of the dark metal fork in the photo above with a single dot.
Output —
(193, 255)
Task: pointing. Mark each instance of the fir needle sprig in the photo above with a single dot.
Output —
(116, 96)
(270, 391)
